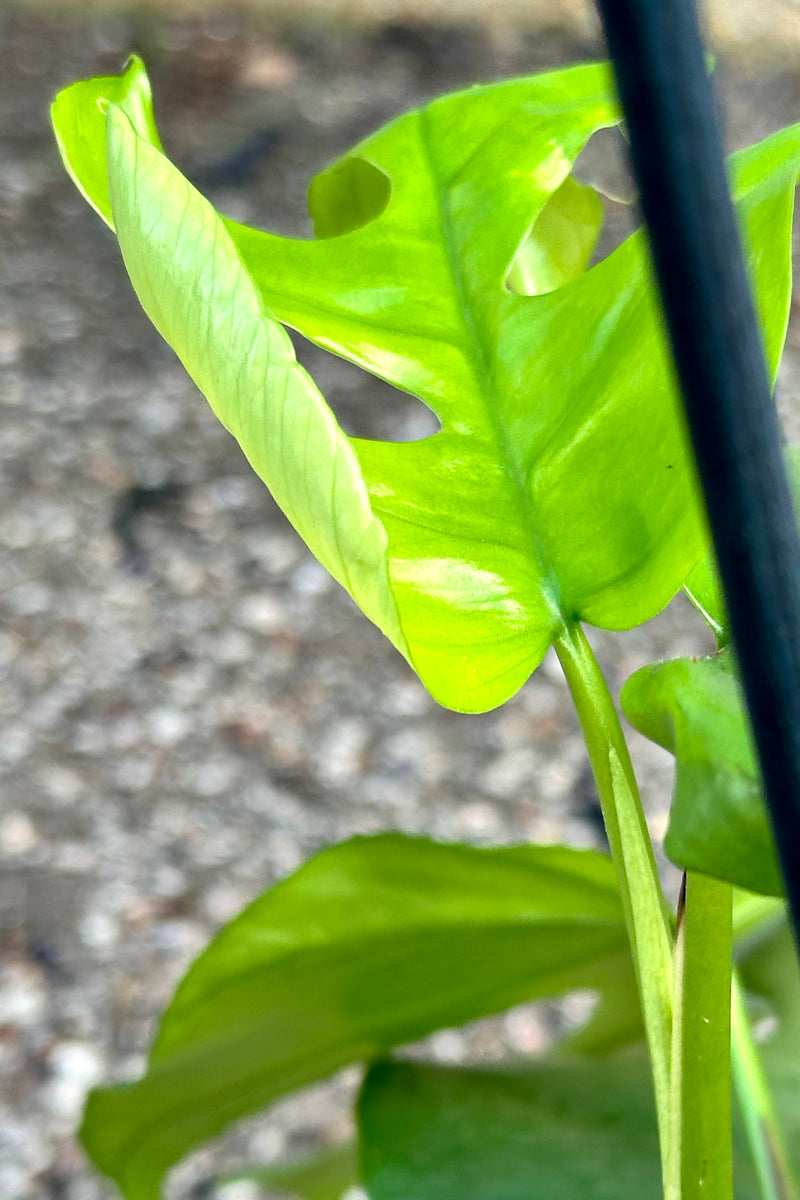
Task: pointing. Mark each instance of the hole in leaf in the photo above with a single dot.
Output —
(560, 244)
(582, 223)
(364, 406)
(347, 196)
(603, 165)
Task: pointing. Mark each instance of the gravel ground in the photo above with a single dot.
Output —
(190, 707)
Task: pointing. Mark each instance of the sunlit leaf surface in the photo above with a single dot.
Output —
(558, 487)
(703, 585)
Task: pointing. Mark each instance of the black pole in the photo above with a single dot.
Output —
(676, 149)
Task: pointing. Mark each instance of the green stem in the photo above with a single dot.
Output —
(775, 1177)
(632, 853)
(700, 1142)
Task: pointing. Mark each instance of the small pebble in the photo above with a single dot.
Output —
(262, 613)
(17, 834)
(23, 999)
(167, 726)
(75, 1068)
(99, 930)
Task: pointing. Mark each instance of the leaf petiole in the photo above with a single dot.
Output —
(700, 1141)
(632, 853)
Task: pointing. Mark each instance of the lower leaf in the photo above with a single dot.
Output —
(373, 943)
(769, 970)
(569, 1130)
(559, 1129)
(326, 1175)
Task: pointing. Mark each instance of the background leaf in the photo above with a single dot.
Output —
(372, 943)
(325, 1175)
(557, 1129)
(559, 485)
(769, 970)
(718, 821)
(553, 1131)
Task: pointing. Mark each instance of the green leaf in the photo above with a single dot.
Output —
(348, 195)
(694, 708)
(373, 943)
(559, 247)
(557, 1130)
(79, 121)
(704, 589)
(616, 1021)
(718, 822)
(205, 305)
(703, 586)
(770, 971)
(559, 485)
(326, 1175)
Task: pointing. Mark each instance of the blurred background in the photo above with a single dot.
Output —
(189, 706)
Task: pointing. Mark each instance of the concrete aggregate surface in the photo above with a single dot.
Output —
(189, 706)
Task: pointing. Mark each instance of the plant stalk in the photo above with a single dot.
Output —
(676, 151)
(632, 853)
(700, 1161)
(775, 1176)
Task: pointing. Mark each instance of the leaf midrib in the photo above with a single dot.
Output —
(482, 355)
(356, 945)
(144, 1130)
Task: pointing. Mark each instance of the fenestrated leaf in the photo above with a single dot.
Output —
(718, 822)
(205, 305)
(703, 586)
(559, 486)
(559, 247)
(569, 1130)
(373, 943)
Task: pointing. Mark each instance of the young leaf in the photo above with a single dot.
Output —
(559, 486)
(373, 943)
(556, 1130)
(694, 708)
(718, 822)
